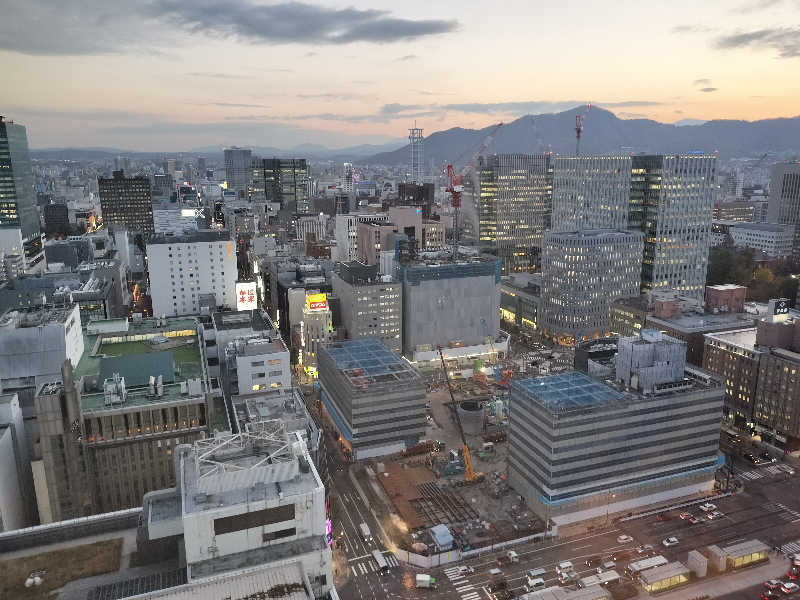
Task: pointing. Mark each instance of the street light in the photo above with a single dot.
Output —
(609, 497)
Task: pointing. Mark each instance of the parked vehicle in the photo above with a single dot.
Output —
(670, 541)
(708, 507)
(426, 581)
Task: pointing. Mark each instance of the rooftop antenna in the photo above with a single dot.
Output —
(579, 128)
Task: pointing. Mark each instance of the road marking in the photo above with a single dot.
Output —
(471, 596)
(464, 588)
(584, 547)
(360, 557)
(355, 573)
(363, 568)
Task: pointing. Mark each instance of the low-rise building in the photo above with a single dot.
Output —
(375, 399)
(520, 295)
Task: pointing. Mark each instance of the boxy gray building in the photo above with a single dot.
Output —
(581, 449)
(375, 398)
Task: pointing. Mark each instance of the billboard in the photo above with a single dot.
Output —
(246, 295)
(316, 301)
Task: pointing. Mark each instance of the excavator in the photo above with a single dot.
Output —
(470, 476)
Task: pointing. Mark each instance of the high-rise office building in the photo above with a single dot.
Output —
(672, 203)
(514, 207)
(281, 181)
(237, 171)
(669, 198)
(591, 192)
(784, 201)
(127, 202)
(583, 272)
(19, 216)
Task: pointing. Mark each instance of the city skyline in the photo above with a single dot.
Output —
(163, 75)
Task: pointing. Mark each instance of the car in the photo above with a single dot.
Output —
(663, 517)
(670, 541)
(772, 584)
(791, 574)
(766, 594)
(766, 457)
(693, 521)
(751, 458)
(599, 570)
(464, 570)
(708, 507)
(640, 550)
(685, 515)
(790, 587)
(715, 515)
(624, 539)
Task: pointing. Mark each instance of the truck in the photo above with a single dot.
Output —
(497, 581)
(365, 532)
(425, 581)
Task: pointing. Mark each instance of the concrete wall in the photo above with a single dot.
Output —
(465, 309)
(12, 513)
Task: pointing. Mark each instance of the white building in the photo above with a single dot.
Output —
(17, 500)
(244, 504)
(774, 239)
(182, 267)
(35, 343)
(346, 233)
(261, 363)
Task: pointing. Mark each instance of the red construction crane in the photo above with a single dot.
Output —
(454, 185)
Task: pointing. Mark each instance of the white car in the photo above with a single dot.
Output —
(670, 541)
(624, 539)
(465, 570)
(790, 587)
(707, 507)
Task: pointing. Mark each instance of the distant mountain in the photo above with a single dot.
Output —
(604, 132)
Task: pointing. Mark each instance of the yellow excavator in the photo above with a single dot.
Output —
(470, 476)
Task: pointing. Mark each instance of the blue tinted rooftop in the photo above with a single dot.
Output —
(566, 392)
(369, 360)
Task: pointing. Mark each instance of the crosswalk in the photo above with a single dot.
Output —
(464, 588)
(368, 565)
(770, 470)
(791, 547)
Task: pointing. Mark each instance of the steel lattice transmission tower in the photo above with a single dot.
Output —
(415, 140)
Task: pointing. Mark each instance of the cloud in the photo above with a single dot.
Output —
(362, 81)
(236, 105)
(513, 108)
(681, 29)
(294, 22)
(331, 96)
(628, 103)
(309, 54)
(708, 89)
(758, 6)
(406, 57)
(219, 75)
(701, 82)
(394, 108)
(786, 40)
(87, 27)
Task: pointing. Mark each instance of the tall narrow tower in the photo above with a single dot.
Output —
(415, 140)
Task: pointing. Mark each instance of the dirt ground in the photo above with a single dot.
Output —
(61, 566)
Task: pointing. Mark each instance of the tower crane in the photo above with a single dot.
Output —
(455, 182)
(470, 476)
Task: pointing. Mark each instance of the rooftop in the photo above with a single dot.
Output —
(34, 317)
(567, 391)
(744, 548)
(695, 323)
(215, 235)
(369, 360)
(245, 319)
(743, 338)
(663, 572)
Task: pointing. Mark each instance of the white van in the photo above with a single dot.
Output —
(531, 585)
(564, 567)
(512, 556)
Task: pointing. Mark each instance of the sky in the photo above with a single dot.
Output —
(161, 75)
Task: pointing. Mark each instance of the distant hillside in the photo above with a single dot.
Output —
(604, 132)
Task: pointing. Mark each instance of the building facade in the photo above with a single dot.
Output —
(580, 449)
(374, 398)
(182, 267)
(19, 215)
(784, 202)
(372, 304)
(773, 239)
(672, 202)
(237, 171)
(515, 202)
(127, 202)
(281, 181)
(583, 272)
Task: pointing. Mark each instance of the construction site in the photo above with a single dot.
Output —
(456, 475)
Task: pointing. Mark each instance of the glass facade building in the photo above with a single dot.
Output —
(514, 205)
(282, 181)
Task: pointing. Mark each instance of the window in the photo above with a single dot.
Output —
(258, 518)
(260, 375)
(257, 363)
(282, 533)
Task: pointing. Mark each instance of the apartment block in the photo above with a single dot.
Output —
(183, 267)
